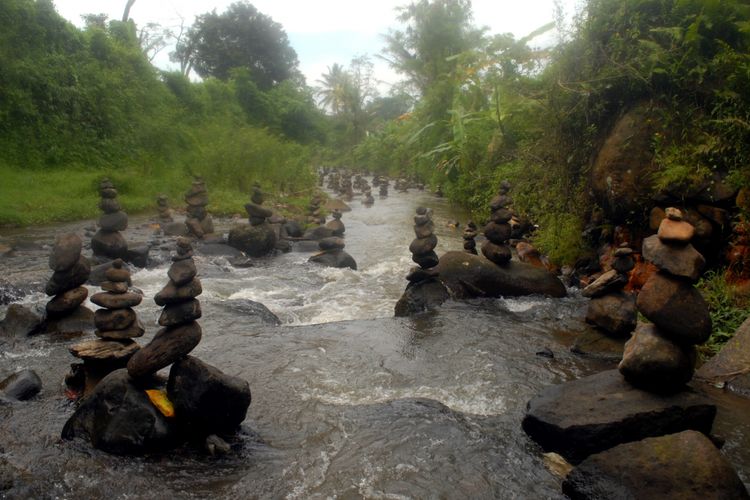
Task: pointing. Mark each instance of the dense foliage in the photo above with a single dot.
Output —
(76, 105)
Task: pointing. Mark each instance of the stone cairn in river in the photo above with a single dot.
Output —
(130, 413)
(256, 213)
(612, 309)
(383, 187)
(314, 210)
(198, 221)
(470, 232)
(162, 206)
(660, 356)
(108, 243)
(498, 230)
(332, 254)
(335, 225)
(116, 326)
(422, 248)
(180, 333)
(368, 199)
(71, 270)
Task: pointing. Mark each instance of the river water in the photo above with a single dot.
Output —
(348, 401)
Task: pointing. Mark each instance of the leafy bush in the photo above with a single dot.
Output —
(728, 308)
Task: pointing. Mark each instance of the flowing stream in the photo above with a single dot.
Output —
(348, 401)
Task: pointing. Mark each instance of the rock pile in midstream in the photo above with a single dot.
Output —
(198, 221)
(332, 254)
(70, 272)
(642, 432)
(258, 238)
(611, 309)
(498, 230)
(469, 234)
(130, 411)
(108, 243)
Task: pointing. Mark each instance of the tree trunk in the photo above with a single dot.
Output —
(126, 13)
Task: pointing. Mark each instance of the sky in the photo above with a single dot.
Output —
(323, 32)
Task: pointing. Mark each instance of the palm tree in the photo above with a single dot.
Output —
(335, 89)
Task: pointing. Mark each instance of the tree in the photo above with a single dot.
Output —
(334, 88)
(240, 37)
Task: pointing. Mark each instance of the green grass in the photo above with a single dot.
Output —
(728, 309)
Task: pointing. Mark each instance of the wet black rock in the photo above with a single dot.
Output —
(293, 229)
(62, 281)
(172, 294)
(179, 313)
(255, 241)
(335, 258)
(684, 465)
(595, 413)
(21, 321)
(252, 312)
(182, 272)
(21, 386)
(66, 252)
(205, 399)
(421, 296)
(119, 418)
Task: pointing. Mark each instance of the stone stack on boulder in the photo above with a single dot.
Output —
(425, 290)
(108, 243)
(117, 324)
(423, 246)
(347, 190)
(162, 206)
(259, 238)
(71, 270)
(368, 199)
(314, 210)
(180, 333)
(336, 226)
(383, 188)
(332, 254)
(470, 232)
(660, 356)
(612, 309)
(199, 222)
(130, 413)
(498, 230)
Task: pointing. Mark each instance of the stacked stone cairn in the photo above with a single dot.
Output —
(314, 210)
(368, 200)
(332, 254)
(117, 324)
(130, 413)
(108, 243)
(383, 187)
(423, 246)
(336, 226)
(347, 190)
(498, 230)
(334, 181)
(256, 213)
(198, 221)
(470, 232)
(660, 356)
(162, 206)
(71, 270)
(180, 333)
(612, 309)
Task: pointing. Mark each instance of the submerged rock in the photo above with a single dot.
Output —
(21, 386)
(119, 418)
(468, 276)
(595, 413)
(421, 296)
(685, 465)
(335, 258)
(251, 311)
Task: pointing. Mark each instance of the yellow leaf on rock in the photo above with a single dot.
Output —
(160, 400)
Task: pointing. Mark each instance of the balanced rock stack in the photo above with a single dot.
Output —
(336, 225)
(423, 246)
(660, 356)
(116, 326)
(368, 200)
(314, 212)
(198, 221)
(108, 242)
(470, 232)
(256, 213)
(498, 230)
(162, 206)
(71, 270)
(611, 309)
(332, 254)
(383, 187)
(180, 333)
(346, 188)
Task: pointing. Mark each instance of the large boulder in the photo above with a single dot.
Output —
(685, 465)
(468, 276)
(251, 312)
(119, 418)
(676, 307)
(21, 321)
(595, 413)
(255, 241)
(621, 173)
(421, 296)
(732, 365)
(205, 399)
(334, 258)
(614, 313)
